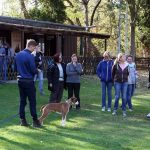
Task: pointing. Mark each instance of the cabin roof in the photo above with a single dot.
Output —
(46, 27)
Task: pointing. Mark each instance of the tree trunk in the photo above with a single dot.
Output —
(132, 50)
(86, 15)
(23, 9)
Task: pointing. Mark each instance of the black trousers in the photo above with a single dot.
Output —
(57, 92)
(74, 90)
(27, 90)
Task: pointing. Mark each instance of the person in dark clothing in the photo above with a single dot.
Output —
(39, 65)
(149, 79)
(25, 66)
(56, 75)
(74, 71)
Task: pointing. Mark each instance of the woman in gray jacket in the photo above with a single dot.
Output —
(74, 71)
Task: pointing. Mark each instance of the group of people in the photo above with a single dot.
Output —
(6, 52)
(28, 64)
(122, 74)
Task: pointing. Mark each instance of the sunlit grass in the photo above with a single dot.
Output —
(86, 129)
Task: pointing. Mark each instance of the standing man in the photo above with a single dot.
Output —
(25, 66)
(2, 55)
(39, 65)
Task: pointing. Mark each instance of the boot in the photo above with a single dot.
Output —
(36, 123)
(23, 122)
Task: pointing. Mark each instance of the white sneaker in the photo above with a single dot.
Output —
(103, 108)
(130, 110)
(109, 109)
(148, 115)
(124, 114)
(114, 112)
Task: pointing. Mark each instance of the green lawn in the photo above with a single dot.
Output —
(86, 129)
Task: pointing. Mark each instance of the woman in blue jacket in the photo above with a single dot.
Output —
(104, 72)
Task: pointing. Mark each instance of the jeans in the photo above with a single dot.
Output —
(74, 90)
(106, 86)
(40, 78)
(130, 92)
(120, 88)
(27, 90)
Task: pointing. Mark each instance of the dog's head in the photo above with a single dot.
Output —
(73, 100)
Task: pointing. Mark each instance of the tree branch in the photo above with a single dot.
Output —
(85, 2)
(93, 13)
(70, 3)
(78, 21)
(69, 20)
(24, 10)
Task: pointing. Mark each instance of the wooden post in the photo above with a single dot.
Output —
(105, 44)
(58, 43)
(22, 40)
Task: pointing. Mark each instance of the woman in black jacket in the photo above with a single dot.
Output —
(120, 76)
(56, 75)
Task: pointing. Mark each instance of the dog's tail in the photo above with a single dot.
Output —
(42, 107)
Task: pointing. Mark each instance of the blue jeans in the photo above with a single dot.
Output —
(120, 88)
(40, 79)
(106, 86)
(130, 92)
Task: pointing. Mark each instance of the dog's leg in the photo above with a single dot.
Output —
(45, 113)
(63, 119)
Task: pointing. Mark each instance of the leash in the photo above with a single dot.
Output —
(6, 120)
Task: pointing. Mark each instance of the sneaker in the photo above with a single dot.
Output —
(124, 114)
(148, 116)
(130, 110)
(23, 122)
(114, 112)
(109, 109)
(36, 124)
(42, 93)
(103, 108)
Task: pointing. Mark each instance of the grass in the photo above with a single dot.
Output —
(87, 129)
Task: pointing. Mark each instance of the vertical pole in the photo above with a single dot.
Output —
(119, 28)
(81, 46)
(105, 44)
(126, 30)
(22, 40)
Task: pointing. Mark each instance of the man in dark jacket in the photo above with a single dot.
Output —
(25, 66)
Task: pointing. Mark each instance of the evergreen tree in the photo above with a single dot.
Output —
(49, 10)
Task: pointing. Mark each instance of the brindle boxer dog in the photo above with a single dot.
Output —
(62, 108)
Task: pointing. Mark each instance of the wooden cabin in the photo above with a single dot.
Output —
(52, 37)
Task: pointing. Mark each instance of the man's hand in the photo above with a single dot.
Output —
(40, 63)
(39, 70)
